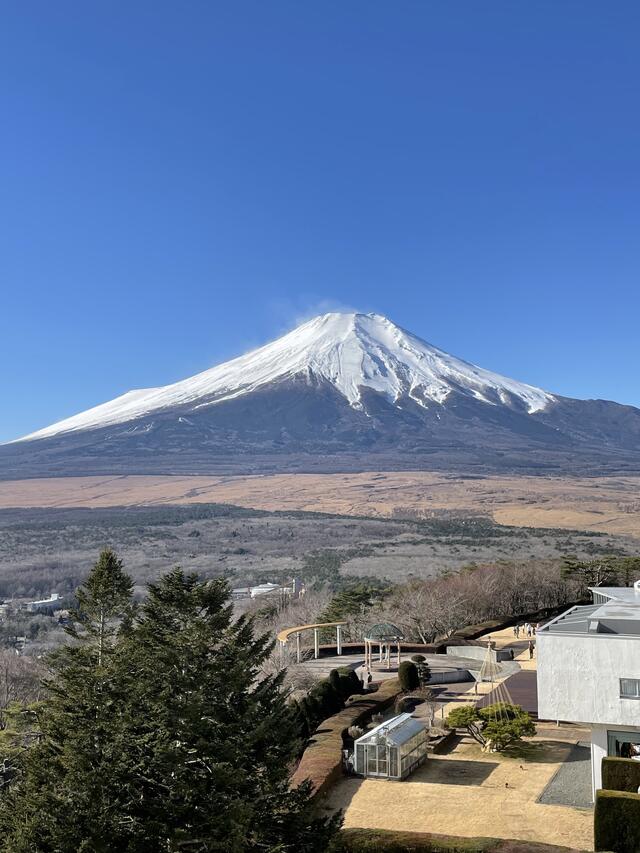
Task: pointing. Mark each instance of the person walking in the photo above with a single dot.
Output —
(531, 649)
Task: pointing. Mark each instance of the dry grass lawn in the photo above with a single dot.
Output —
(602, 504)
(470, 793)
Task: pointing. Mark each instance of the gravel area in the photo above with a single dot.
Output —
(571, 785)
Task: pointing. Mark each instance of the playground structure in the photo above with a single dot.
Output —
(286, 633)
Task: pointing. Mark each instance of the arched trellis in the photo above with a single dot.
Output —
(296, 631)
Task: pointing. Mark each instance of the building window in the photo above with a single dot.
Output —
(630, 688)
(623, 744)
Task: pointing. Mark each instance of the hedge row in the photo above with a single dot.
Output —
(384, 841)
(321, 761)
(616, 821)
(325, 699)
(621, 774)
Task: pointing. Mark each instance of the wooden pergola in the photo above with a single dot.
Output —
(283, 637)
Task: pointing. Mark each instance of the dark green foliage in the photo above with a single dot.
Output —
(325, 699)
(345, 682)
(353, 599)
(322, 567)
(608, 570)
(616, 821)
(424, 670)
(621, 774)
(159, 733)
(497, 726)
(408, 675)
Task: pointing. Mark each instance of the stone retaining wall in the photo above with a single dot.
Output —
(321, 761)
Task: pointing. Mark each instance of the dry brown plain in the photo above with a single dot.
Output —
(600, 504)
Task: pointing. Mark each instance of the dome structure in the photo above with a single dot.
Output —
(384, 632)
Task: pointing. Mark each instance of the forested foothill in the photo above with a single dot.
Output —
(48, 550)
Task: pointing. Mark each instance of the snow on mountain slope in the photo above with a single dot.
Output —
(350, 351)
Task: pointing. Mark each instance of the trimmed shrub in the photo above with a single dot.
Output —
(407, 704)
(616, 821)
(345, 682)
(408, 676)
(418, 658)
(328, 699)
(322, 701)
(621, 774)
(385, 841)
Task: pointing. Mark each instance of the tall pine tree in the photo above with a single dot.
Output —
(62, 793)
(160, 735)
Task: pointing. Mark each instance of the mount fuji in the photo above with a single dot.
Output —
(344, 391)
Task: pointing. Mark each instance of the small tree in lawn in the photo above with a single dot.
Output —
(495, 727)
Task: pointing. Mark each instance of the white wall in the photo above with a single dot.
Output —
(578, 678)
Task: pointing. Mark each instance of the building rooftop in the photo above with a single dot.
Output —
(397, 730)
(627, 594)
(616, 610)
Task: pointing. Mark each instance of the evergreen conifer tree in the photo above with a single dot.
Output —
(160, 735)
(63, 788)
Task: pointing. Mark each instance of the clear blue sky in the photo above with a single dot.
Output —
(181, 181)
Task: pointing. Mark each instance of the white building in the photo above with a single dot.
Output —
(295, 590)
(54, 601)
(589, 672)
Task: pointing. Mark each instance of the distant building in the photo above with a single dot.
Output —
(589, 672)
(54, 602)
(295, 589)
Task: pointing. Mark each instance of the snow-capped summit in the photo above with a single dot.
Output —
(350, 351)
(346, 392)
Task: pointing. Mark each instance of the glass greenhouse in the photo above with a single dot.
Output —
(391, 750)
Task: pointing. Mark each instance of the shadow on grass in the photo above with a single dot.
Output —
(453, 772)
(540, 751)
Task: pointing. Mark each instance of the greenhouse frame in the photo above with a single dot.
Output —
(392, 750)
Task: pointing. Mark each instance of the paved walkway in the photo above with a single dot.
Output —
(571, 785)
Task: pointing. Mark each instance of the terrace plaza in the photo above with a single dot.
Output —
(535, 791)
